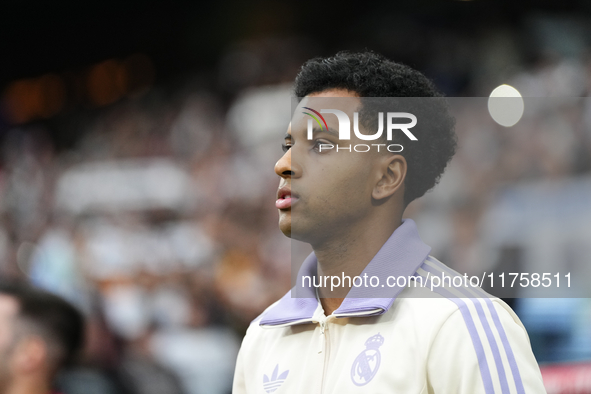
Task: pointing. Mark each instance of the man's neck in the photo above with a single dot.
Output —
(348, 255)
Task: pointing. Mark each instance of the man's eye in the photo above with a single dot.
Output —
(317, 144)
(285, 147)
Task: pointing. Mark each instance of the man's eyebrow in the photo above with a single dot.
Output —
(329, 130)
(317, 130)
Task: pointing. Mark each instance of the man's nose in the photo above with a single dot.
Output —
(283, 166)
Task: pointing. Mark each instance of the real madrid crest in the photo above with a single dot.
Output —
(367, 363)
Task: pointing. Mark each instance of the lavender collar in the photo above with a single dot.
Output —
(401, 255)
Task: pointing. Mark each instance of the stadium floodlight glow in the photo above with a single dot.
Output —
(505, 105)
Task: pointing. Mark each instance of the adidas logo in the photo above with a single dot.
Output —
(270, 385)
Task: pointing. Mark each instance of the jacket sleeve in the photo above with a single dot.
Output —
(482, 348)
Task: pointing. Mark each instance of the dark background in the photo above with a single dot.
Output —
(188, 39)
(184, 37)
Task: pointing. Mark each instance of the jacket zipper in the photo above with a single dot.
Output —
(326, 350)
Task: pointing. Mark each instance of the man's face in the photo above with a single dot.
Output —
(330, 191)
(8, 313)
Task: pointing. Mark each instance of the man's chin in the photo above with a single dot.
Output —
(285, 223)
(286, 227)
(294, 234)
(296, 231)
(286, 231)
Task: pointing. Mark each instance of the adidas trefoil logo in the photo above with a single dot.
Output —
(270, 385)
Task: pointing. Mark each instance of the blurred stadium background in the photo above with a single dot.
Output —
(137, 143)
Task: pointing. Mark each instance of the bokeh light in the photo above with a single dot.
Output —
(505, 105)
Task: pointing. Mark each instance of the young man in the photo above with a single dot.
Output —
(39, 333)
(348, 203)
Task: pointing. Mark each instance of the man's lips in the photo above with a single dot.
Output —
(284, 203)
(285, 198)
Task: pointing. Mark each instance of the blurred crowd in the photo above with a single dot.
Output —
(159, 223)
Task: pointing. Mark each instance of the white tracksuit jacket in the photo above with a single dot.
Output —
(395, 340)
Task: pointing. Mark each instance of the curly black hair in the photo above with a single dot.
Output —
(371, 75)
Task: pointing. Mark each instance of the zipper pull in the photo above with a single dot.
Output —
(322, 343)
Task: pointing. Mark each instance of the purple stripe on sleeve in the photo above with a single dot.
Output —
(482, 363)
(487, 329)
(507, 345)
(494, 347)
(498, 325)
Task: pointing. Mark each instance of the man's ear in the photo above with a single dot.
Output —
(392, 172)
(30, 355)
